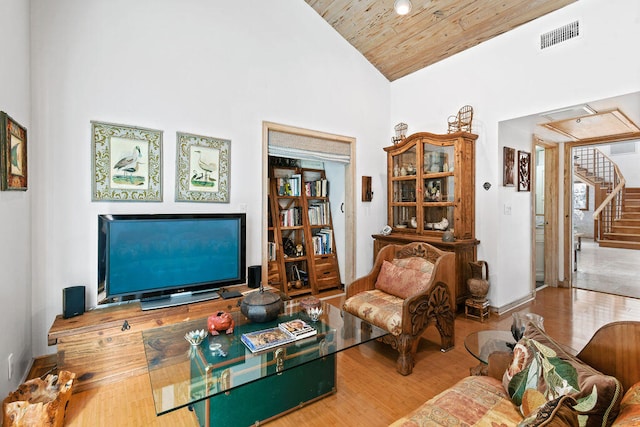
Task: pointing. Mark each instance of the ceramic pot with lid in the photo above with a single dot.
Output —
(261, 306)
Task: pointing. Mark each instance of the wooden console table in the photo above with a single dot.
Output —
(105, 345)
(464, 250)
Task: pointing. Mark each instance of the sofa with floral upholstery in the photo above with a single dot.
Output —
(541, 384)
(409, 288)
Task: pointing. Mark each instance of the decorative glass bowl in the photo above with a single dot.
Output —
(314, 313)
(196, 337)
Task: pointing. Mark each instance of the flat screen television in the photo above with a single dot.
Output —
(169, 259)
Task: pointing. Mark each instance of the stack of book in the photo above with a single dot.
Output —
(319, 213)
(290, 186)
(284, 333)
(291, 217)
(319, 188)
(323, 242)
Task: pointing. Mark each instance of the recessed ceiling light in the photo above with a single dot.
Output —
(402, 7)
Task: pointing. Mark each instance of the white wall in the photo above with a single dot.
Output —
(209, 68)
(509, 77)
(15, 206)
(627, 162)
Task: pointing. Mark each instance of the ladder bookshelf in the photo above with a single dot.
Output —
(302, 255)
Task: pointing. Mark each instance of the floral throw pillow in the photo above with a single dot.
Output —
(414, 263)
(542, 371)
(401, 282)
(555, 413)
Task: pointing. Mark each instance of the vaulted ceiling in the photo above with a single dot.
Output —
(432, 31)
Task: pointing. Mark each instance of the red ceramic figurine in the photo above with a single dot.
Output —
(219, 322)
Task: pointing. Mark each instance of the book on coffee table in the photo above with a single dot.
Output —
(298, 328)
(284, 333)
(266, 338)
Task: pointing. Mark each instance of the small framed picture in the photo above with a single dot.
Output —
(508, 162)
(524, 171)
(126, 163)
(580, 196)
(202, 168)
(13, 154)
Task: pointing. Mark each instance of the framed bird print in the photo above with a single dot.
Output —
(202, 168)
(13, 154)
(126, 163)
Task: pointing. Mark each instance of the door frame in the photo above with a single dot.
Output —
(568, 193)
(349, 193)
(551, 200)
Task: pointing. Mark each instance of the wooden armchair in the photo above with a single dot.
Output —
(409, 288)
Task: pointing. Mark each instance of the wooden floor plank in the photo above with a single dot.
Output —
(370, 391)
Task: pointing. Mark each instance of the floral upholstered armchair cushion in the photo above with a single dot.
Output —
(629, 408)
(473, 401)
(543, 371)
(401, 282)
(378, 308)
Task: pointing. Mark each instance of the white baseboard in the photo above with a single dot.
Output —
(513, 305)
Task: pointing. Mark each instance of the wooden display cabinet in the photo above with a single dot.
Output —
(431, 189)
(431, 181)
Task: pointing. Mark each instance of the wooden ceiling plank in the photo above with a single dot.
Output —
(454, 41)
(434, 30)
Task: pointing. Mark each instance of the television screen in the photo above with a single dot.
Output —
(144, 256)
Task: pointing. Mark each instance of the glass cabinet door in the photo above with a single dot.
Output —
(404, 189)
(438, 187)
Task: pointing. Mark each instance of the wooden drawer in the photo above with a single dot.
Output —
(326, 272)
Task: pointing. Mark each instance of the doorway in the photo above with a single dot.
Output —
(306, 140)
(603, 269)
(545, 208)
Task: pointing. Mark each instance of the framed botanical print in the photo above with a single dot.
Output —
(126, 163)
(202, 168)
(13, 154)
(524, 171)
(508, 166)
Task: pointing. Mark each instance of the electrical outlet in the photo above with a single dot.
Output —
(10, 365)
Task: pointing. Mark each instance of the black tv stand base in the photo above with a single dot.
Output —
(175, 300)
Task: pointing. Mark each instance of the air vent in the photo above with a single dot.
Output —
(623, 148)
(559, 35)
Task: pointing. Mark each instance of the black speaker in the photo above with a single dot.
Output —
(72, 301)
(255, 276)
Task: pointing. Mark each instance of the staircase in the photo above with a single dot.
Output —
(625, 230)
(618, 216)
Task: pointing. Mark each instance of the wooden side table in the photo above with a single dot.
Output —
(476, 309)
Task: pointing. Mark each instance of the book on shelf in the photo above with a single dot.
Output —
(284, 333)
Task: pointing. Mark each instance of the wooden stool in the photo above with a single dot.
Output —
(476, 309)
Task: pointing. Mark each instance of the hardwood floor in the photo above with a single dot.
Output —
(370, 391)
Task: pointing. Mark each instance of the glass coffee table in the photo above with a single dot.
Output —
(226, 384)
(482, 343)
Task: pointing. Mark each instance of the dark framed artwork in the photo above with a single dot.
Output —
(524, 171)
(508, 166)
(13, 154)
(126, 163)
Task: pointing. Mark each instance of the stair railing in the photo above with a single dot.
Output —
(607, 173)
